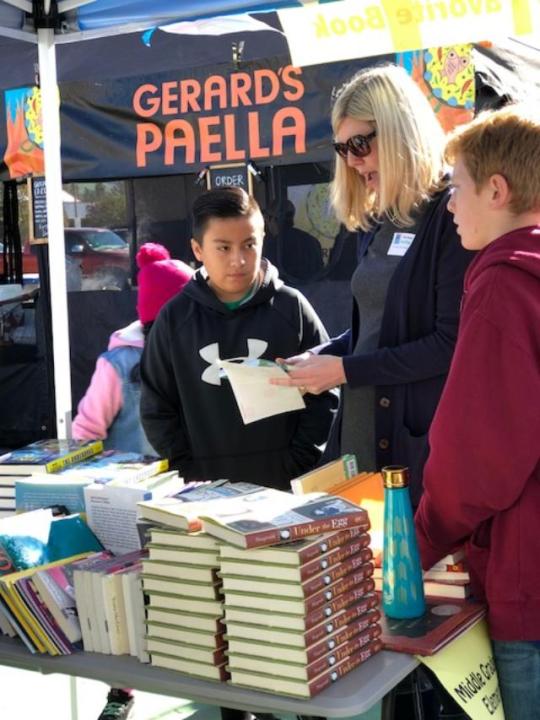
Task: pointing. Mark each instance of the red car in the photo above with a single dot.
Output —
(98, 256)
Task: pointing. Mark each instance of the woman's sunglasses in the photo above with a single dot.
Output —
(358, 145)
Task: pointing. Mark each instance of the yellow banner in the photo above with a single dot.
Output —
(466, 668)
(361, 28)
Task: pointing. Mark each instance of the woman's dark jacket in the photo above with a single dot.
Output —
(418, 334)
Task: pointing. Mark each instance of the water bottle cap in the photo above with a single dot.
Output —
(395, 476)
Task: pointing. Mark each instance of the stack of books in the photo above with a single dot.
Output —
(449, 578)
(185, 630)
(110, 603)
(45, 456)
(300, 615)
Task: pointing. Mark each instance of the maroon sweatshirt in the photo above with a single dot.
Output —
(482, 478)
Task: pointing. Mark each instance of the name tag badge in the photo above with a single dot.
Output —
(401, 242)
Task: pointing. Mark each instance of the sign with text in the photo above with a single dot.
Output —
(466, 668)
(360, 28)
(233, 175)
(38, 210)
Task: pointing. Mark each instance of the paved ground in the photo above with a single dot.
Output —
(28, 695)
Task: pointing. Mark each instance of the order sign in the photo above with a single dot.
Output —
(226, 176)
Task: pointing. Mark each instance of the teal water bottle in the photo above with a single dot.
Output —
(403, 587)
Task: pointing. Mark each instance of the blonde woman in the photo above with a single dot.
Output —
(390, 184)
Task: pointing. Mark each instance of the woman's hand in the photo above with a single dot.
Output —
(314, 374)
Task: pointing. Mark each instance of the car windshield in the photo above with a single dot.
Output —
(102, 239)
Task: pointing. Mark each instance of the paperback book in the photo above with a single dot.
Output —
(305, 689)
(270, 516)
(47, 456)
(365, 628)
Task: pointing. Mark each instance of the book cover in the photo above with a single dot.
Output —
(427, 634)
(189, 667)
(44, 490)
(326, 476)
(37, 615)
(182, 510)
(366, 626)
(355, 581)
(270, 516)
(304, 689)
(357, 548)
(47, 456)
(115, 466)
(267, 586)
(294, 553)
(55, 588)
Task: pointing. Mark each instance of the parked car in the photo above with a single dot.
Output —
(101, 255)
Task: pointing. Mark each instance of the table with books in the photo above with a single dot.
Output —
(259, 601)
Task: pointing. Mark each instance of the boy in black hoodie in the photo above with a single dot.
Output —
(235, 306)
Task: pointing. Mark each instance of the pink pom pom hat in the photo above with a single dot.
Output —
(160, 278)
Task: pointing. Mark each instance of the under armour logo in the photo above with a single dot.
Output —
(210, 353)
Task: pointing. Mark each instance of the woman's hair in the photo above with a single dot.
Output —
(410, 145)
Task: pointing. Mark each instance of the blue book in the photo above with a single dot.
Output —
(47, 490)
(47, 456)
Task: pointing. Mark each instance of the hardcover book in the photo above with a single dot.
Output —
(356, 635)
(299, 688)
(439, 625)
(357, 548)
(295, 553)
(47, 456)
(270, 516)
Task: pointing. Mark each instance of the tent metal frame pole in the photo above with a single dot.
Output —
(50, 103)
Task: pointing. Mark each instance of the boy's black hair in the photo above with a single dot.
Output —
(221, 203)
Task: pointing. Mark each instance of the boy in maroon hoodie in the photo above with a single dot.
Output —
(482, 478)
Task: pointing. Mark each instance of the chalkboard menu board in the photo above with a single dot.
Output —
(38, 205)
(224, 176)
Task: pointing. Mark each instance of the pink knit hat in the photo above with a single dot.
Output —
(160, 278)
